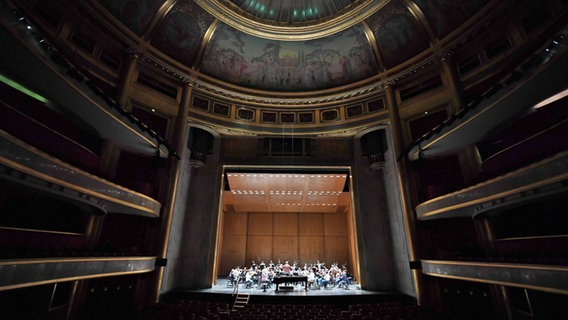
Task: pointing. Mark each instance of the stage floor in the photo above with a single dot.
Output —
(298, 290)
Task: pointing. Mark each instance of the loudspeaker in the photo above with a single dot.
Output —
(415, 264)
(161, 262)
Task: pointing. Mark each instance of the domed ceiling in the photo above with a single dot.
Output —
(295, 13)
(292, 45)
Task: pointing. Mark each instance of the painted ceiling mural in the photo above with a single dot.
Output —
(181, 32)
(239, 58)
(281, 65)
(135, 14)
(399, 35)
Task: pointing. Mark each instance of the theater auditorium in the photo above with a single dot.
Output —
(261, 159)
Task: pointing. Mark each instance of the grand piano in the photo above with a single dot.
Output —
(289, 280)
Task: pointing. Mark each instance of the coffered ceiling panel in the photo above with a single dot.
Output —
(326, 184)
(280, 183)
(245, 182)
(285, 192)
(322, 199)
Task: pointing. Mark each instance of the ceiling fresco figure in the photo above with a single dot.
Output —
(180, 34)
(398, 34)
(286, 65)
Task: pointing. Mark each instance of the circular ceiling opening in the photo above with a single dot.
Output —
(293, 13)
(294, 20)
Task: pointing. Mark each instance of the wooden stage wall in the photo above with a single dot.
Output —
(304, 237)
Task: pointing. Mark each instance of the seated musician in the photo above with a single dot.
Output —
(264, 277)
(234, 276)
(342, 280)
(271, 274)
(311, 278)
(249, 278)
(230, 278)
(325, 280)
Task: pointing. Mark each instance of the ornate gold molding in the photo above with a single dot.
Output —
(323, 28)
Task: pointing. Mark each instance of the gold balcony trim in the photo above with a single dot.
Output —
(498, 282)
(502, 194)
(74, 278)
(45, 177)
(72, 259)
(500, 265)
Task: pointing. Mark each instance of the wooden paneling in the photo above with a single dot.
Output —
(311, 224)
(335, 224)
(285, 224)
(284, 198)
(336, 249)
(275, 192)
(246, 182)
(326, 182)
(233, 253)
(286, 248)
(284, 208)
(322, 199)
(305, 237)
(258, 247)
(286, 182)
(310, 248)
(235, 224)
(260, 224)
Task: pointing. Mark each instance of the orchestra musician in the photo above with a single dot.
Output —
(286, 268)
(262, 275)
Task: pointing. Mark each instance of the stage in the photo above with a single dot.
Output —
(298, 290)
(222, 295)
(222, 302)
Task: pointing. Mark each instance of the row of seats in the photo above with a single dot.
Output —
(194, 309)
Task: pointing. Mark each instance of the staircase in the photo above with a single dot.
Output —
(241, 301)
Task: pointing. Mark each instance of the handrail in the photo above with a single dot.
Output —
(236, 288)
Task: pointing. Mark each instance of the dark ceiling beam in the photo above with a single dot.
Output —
(419, 15)
(158, 17)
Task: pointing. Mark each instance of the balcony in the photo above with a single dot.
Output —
(23, 164)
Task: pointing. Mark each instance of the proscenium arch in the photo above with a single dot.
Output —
(352, 246)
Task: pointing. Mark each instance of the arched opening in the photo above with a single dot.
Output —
(300, 215)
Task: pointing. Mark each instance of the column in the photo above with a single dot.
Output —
(110, 154)
(170, 180)
(468, 157)
(404, 186)
(126, 77)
